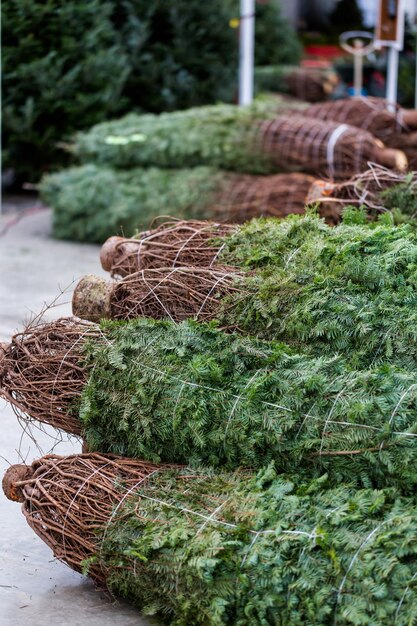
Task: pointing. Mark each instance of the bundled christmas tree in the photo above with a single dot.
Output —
(348, 289)
(396, 128)
(192, 547)
(93, 202)
(258, 139)
(191, 393)
(311, 85)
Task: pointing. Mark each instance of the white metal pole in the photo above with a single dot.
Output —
(247, 50)
(415, 54)
(415, 86)
(357, 67)
(392, 75)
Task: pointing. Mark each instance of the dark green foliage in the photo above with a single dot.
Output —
(350, 289)
(346, 16)
(272, 78)
(222, 136)
(92, 203)
(282, 551)
(64, 68)
(276, 43)
(68, 65)
(402, 200)
(191, 393)
(181, 53)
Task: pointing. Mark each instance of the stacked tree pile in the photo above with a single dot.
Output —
(310, 85)
(341, 298)
(187, 393)
(395, 126)
(345, 289)
(193, 547)
(93, 202)
(217, 162)
(305, 373)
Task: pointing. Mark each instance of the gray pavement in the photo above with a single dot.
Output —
(35, 589)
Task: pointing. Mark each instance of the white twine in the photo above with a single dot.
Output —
(81, 336)
(352, 562)
(272, 404)
(331, 145)
(218, 281)
(403, 598)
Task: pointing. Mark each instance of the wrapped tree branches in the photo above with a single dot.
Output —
(310, 85)
(325, 290)
(174, 293)
(191, 547)
(91, 203)
(42, 371)
(191, 393)
(173, 243)
(240, 139)
(68, 501)
(375, 115)
(396, 128)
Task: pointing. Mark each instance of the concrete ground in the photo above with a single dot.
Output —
(35, 589)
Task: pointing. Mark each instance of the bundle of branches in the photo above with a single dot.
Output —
(373, 114)
(49, 388)
(77, 495)
(174, 293)
(395, 127)
(310, 85)
(92, 203)
(191, 547)
(329, 149)
(378, 189)
(192, 393)
(349, 289)
(237, 138)
(176, 243)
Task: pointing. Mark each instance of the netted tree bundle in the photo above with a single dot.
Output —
(42, 371)
(336, 151)
(68, 501)
(190, 242)
(348, 289)
(310, 85)
(191, 547)
(173, 243)
(377, 189)
(407, 142)
(174, 293)
(376, 115)
(92, 203)
(216, 135)
(247, 197)
(241, 139)
(191, 393)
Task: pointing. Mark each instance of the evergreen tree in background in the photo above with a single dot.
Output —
(346, 16)
(63, 68)
(68, 65)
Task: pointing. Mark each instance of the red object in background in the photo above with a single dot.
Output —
(324, 51)
(379, 79)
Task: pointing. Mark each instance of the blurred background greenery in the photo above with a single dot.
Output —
(68, 65)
